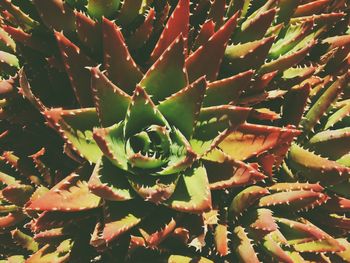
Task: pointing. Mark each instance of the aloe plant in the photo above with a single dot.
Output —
(174, 131)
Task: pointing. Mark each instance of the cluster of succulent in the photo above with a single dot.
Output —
(174, 131)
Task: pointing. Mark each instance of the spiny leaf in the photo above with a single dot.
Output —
(185, 103)
(296, 200)
(99, 8)
(71, 194)
(251, 55)
(119, 218)
(50, 253)
(89, 31)
(206, 31)
(25, 241)
(185, 259)
(244, 199)
(167, 75)
(229, 173)
(227, 91)
(316, 168)
(177, 24)
(286, 61)
(215, 122)
(121, 68)
(75, 62)
(56, 15)
(293, 112)
(111, 102)
(251, 140)
(129, 11)
(243, 247)
(109, 182)
(256, 27)
(143, 32)
(192, 193)
(206, 60)
(324, 102)
(221, 240)
(142, 113)
(331, 143)
(311, 8)
(75, 126)
(21, 19)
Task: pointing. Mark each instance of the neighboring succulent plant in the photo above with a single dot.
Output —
(178, 123)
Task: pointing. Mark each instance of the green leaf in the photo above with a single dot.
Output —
(254, 28)
(111, 102)
(228, 90)
(50, 253)
(142, 113)
(324, 102)
(316, 168)
(76, 126)
(331, 143)
(109, 182)
(244, 199)
(105, 8)
(192, 193)
(25, 241)
(153, 188)
(251, 55)
(182, 108)
(213, 123)
(112, 144)
(167, 75)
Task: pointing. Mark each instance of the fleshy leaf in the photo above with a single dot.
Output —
(243, 247)
(227, 173)
(71, 194)
(142, 113)
(76, 126)
(120, 66)
(324, 102)
(251, 140)
(50, 253)
(89, 31)
(227, 91)
(119, 218)
(75, 62)
(206, 60)
(251, 55)
(256, 27)
(99, 8)
(111, 102)
(316, 168)
(221, 240)
(182, 108)
(167, 75)
(56, 15)
(192, 193)
(177, 24)
(109, 182)
(244, 199)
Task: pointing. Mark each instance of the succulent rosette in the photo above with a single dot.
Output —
(174, 130)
